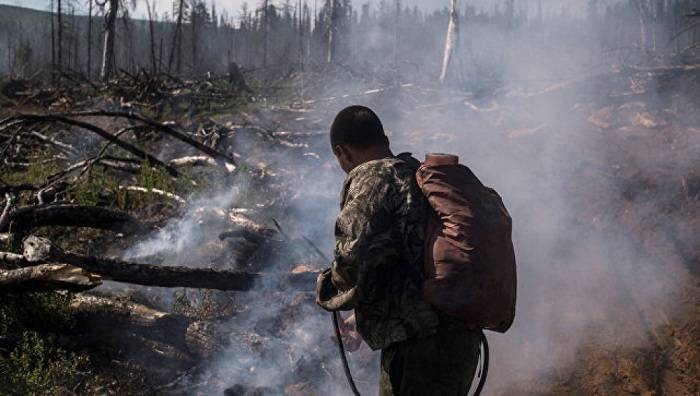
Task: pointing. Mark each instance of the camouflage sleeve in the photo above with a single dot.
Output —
(363, 243)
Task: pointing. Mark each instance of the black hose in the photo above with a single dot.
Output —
(485, 368)
(346, 367)
(344, 358)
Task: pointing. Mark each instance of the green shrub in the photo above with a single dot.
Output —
(98, 188)
(35, 366)
(150, 177)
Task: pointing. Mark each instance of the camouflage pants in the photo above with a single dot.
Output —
(443, 364)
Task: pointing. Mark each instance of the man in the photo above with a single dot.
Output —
(378, 266)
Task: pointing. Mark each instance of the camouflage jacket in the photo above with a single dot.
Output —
(378, 266)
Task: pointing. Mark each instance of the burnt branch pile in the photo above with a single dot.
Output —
(86, 191)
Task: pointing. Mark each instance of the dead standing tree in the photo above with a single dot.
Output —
(300, 27)
(154, 68)
(450, 41)
(89, 40)
(332, 30)
(198, 19)
(266, 30)
(108, 62)
(176, 49)
(397, 20)
(53, 45)
(59, 14)
(641, 6)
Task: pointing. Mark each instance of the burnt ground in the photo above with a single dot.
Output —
(600, 175)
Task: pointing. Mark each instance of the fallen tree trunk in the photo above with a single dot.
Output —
(47, 277)
(23, 220)
(154, 275)
(40, 250)
(109, 316)
(107, 313)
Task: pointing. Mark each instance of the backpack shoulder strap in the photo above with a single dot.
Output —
(409, 160)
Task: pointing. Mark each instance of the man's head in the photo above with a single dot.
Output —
(357, 136)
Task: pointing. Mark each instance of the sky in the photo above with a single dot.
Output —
(233, 6)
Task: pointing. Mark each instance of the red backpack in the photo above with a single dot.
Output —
(470, 261)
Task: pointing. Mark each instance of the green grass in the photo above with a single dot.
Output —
(35, 173)
(101, 188)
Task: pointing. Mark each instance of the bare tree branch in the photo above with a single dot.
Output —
(24, 118)
(160, 127)
(155, 191)
(47, 277)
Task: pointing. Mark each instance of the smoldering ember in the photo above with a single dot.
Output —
(169, 196)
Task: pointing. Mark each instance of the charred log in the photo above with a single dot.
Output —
(38, 250)
(174, 335)
(108, 315)
(23, 220)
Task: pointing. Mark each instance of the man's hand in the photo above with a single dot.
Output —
(351, 338)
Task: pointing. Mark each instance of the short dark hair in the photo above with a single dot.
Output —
(358, 127)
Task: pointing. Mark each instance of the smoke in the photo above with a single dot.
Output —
(585, 275)
(277, 339)
(180, 236)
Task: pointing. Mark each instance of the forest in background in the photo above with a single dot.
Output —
(288, 36)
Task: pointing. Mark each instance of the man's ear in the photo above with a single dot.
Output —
(341, 151)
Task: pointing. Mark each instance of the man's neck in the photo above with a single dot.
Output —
(375, 154)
